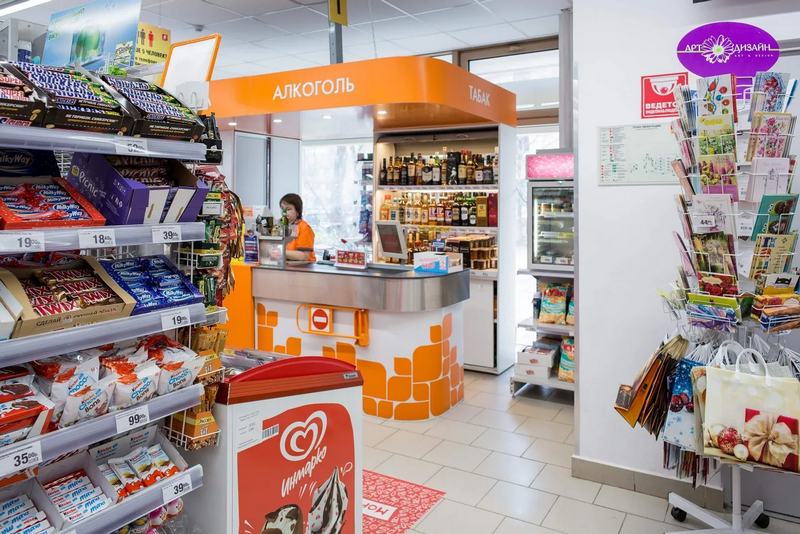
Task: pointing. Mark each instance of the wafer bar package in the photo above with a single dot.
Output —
(114, 480)
(162, 461)
(126, 474)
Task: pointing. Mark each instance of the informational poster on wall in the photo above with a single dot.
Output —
(94, 35)
(152, 44)
(637, 154)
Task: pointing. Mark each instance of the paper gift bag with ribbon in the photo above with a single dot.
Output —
(771, 439)
(680, 427)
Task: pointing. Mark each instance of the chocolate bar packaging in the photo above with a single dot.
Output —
(21, 103)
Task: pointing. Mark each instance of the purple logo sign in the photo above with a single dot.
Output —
(728, 48)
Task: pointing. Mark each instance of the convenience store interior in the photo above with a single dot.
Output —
(521, 447)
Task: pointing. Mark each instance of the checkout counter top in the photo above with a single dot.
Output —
(373, 288)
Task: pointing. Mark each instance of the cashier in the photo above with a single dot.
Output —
(302, 248)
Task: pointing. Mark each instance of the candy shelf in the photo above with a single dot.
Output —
(76, 437)
(76, 141)
(544, 328)
(69, 238)
(142, 503)
(25, 349)
(467, 188)
(518, 382)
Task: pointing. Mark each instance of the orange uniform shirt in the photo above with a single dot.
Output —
(305, 239)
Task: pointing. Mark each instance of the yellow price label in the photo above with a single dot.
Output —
(565, 235)
(337, 11)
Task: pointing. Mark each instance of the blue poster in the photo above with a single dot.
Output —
(95, 35)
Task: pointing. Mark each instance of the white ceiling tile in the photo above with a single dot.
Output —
(236, 52)
(163, 22)
(297, 44)
(38, 15)
(488, 35)
(248, 29)
(358, 11)
(299, 20)
(399, 28)
(540, 27)
(193, 12)
(221, 74)
(512, 10)
(357, 36)
(461, 18)
(148, 3)
(284, 63)
(428, 44)
(421, 6)
(186, 33)
(318, 57)
(385, 49)
(251, 8)
(248, 69)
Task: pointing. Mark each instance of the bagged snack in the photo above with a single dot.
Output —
(162, 461)
(68, 383)
(554, 303)
(88, 403)
(178, 375)
(571, 312)
(135, 388)
(566, 368)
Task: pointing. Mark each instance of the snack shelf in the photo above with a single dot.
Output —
(133, 507)
(550, 382)
(70, 439)
(543, 328)
(550, 271)
(25, 349)
(465, 187)
(70, 238)
(490, 274)
(455, 229)
(76, 141)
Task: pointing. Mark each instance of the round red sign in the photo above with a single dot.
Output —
(319, 319)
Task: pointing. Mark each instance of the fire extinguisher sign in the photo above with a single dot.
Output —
(658, 101)
(320, 319)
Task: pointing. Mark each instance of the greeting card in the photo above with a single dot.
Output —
(715, 135)
(714, 253)
(768, 176)
(718, 284)
(775, 214)
(769, 92)
(718, 175)
(718, 95)
(773, 254)
(717, 206)
(770, 135)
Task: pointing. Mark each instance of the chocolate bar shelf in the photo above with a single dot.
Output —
(25, 349)
(71, 439)
(96, 143)
(126, 235)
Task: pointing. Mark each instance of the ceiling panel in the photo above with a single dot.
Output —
(298, 20)
(398, 28)
(358, 11)
(541, 27)
(248, 29)
(148, 3)
(487, 35)
(248, 69)
(297, 44)
(421, 6)
(318, 57)
(163, 22)
(428, 44)
(512, 10)
(190, 32)
(193, 12)
(251, 8)
(280, 64)
(461, 18)
(232, 53)
(385, 49)
(221, 74)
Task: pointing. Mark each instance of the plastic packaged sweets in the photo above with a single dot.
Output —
(554, 303)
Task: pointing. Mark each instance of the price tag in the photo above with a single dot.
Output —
(178, 487)
(131, 146)
(703, 221)
(167, 233)
(212, 208)
(175, 319)
(97, 238)
(21, 241)
(19, 458)
(132, 418)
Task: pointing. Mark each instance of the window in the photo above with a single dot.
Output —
(533, 77)
(444, 57)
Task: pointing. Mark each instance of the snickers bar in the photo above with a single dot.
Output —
(150, 96)
(164, 109)
(123, 83)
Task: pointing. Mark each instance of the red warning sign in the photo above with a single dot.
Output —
(320, 320)
(657, 99)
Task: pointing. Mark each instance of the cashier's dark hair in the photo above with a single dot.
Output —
(295, 201)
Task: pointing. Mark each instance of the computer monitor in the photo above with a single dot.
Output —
(392, 240)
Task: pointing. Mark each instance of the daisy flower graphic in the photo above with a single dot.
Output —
(717, 50)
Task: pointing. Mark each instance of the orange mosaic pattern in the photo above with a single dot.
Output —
(426, 385)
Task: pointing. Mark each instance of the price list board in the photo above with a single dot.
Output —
(637, 154)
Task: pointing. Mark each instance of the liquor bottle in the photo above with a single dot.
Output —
(427, 173)
(488, 173)
(436, 171)
(478, 169)
(424, 214)
(285, 224)
(415, 212)
(456, 210)
(404, 172)
(393, 215)
(420, 173)
(410, 247)
(385, 208)
(453, 159)
(409, 210)
(383, 174)
(433, 211)
(401, 209)
(470, 169)
(440, 211)
(473, 211)
(445, 176)
(496, 165)
(464, 212)
(448, 211)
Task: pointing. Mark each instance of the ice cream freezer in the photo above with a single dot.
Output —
(289, 454)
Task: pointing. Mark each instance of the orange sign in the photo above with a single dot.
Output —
(366, 83)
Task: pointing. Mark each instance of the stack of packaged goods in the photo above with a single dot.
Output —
(538, 358)
(25, 412)
(75, 497)
(28, 205)
(555, 304)
(20, 514)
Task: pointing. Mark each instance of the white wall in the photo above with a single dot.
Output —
(625, 246)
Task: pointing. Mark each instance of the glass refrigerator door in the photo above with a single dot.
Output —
(552, 225)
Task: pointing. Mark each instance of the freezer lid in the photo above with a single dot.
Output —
(292, 376)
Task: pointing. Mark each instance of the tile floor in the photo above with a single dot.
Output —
(505, 467)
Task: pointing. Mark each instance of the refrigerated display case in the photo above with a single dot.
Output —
(551, 226)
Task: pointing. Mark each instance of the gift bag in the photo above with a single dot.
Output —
(752, 418)
(680, 426)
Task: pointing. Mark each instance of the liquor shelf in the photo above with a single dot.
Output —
(433, 188)
(454, 229)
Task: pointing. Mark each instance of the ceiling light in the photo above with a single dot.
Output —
(327, 117)
(22, 5)
(231, 124)
(545, 104)
(277, 121)
(382, 112)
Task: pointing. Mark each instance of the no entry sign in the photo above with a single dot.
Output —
(320, 320)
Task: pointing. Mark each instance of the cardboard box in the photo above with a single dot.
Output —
(194, 425)
(10, 221)
(21, 112)
(540, 371)
(124, 201)
(482, 204)
(492, 207)
(30, 323)
(213, 363)
(10, 309)
(438, 262)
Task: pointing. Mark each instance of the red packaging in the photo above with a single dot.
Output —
(768, 436)
(492, 209)
(9, 220)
